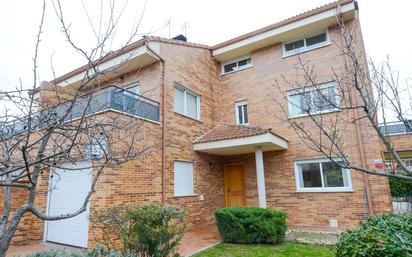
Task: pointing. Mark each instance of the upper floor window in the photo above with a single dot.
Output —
(237, 64)
(305, 44)
(183, 178)
(132, 90)
(321, 175)
(242, 117)
(313, 100)
(186, 102)
(96, 148)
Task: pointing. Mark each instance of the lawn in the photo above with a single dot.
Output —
(282, 250)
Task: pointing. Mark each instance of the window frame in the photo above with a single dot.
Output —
(305, 48)
(237, 60)
(347, 188)
(241, 103)
(185, 92)
(192, 180)
(310, 89)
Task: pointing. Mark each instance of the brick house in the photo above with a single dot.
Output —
(211, 111)
(400, 136)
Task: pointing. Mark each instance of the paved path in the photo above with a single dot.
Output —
(192, 242)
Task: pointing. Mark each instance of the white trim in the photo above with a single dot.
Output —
(116, 62)
(237, 60)
(305, 48)
(347, 188)
(241, 103)
(252, 140)
(185, 92)
(326, 15)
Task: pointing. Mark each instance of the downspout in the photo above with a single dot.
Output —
(163, 90)
(361, 146)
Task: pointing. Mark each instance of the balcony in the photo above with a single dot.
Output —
(112, 99)
(395, 128)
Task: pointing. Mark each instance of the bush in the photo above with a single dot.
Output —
(400, 188)
(142, 230)
(251, 225)
(388, 235)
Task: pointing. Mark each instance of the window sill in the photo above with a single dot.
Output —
(325, 190)
(316, 113)
(181, 196)
(185, 116)
(286, 55)
(243, 68)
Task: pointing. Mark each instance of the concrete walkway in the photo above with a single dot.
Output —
(192, 242)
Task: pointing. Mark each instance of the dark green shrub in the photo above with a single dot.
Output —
(387, 235)
(400, 188)
(142, 230)
(251, 225)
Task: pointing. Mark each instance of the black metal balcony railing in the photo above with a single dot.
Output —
(392, 128)
(112, 98)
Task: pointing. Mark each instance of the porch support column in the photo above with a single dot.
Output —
(260, 176)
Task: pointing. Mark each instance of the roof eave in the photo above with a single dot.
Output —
(283, 31)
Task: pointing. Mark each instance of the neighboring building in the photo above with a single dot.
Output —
(214, 110)
(400, 136)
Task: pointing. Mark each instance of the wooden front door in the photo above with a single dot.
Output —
(234, 185)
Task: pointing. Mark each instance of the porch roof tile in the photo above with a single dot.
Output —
(230, 131)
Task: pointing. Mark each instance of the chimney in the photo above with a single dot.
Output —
(180, 37)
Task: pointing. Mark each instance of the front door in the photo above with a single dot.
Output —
(235, 185)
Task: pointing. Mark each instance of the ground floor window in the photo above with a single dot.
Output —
(321, 175)
(183, 178)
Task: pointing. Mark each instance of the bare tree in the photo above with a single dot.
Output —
(349, 100)
(48, 126)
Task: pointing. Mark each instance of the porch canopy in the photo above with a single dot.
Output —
(227, 139)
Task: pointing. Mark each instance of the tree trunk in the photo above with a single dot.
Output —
(5, 242)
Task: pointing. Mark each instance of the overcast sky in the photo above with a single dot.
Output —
(386, 29)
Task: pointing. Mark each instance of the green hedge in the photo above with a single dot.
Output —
(400, 188)
(251, 225)
(387, 235)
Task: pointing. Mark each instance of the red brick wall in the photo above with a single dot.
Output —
(140, 181)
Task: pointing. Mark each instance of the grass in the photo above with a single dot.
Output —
(282, 250)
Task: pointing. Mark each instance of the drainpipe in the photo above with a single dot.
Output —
(163, 91)
(361, 145)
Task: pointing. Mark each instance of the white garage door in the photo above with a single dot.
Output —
(69, 187)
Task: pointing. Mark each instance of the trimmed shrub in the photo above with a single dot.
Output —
(399, 187)
(387, 235)
(251, 225)
(142, 230)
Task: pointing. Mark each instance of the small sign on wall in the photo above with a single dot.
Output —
(379, 165)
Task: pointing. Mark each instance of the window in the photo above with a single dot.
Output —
(183, 178)
(321, 175)
(305, 44)
(186, 102)
(96, 148)
(132, 90)
(311, 100)
(241, 113)
(408, 163)
(235, 65)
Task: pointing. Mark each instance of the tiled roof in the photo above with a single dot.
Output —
(301, 16)
(228, 131)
